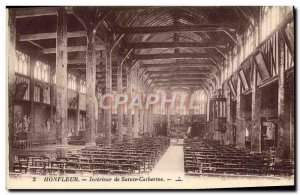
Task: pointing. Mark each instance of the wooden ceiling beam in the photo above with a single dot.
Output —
(114, 79)
(178, 72)
(180, 82)
(169, 65)
(83, 61)
(101, 73)
(162, 85)
(175, 79)
(206, 81)
(174, 56)
(175, 28)
(51, 35)
(165, 45)
(83, 66)
(72, 49)
(37, 12)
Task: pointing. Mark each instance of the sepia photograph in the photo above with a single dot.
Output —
(150, 97)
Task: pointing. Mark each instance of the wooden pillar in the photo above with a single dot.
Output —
(141, 112)
(168, 119)
(136, 123)
(283, 141)
(167, 107)
(207, 108)
(61, 114)
(96, 116)
(77, 115)
(291, 96)
(101, 112)
(240, 131)
(161, 124)
(228, 133)
(120, 107)
(11, 78)
(129, 110)
(146, 117)
(190, 111)
(52, 98)
(255, 115)
(90, 125)
(145, 120)
(150, 120)
(136, 109)
(31, 93)
(108, 90)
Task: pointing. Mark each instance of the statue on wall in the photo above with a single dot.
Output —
(270, 132)
(22, 123)
(18, 125)
(26, 123)
(46, 125)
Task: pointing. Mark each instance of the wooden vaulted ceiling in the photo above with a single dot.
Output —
(173, 46)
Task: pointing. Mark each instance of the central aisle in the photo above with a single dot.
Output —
(171, 163)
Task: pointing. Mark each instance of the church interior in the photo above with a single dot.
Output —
(237, 63)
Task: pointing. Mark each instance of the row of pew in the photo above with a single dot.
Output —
(139, 156)
(209, 157)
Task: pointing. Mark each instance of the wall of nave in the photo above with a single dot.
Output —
(258, 98)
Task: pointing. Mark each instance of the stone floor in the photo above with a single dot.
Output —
(171, 163)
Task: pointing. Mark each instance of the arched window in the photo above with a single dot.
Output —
(41, 71)
(22, 65)
(46, 69)
(38, 67)
(82, 86)
(71, 81)
(200, 102)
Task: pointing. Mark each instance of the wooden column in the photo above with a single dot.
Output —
(31, 93)
(255, 115)
(96, 115)
(146, 117)
(283, 141)
(52, 98)
(129, 110)
(149, 121)
(141, 111)
(136, 109)
(61, 114)
(120, 107)
(228, 133)
(11, 78)
(291, 96)
(108, 90)
(167, 107)
(90, 119)
(207, 108)
(136, 122)
(240, 131)
(102, 116)
(77, 115)
(168, 119)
